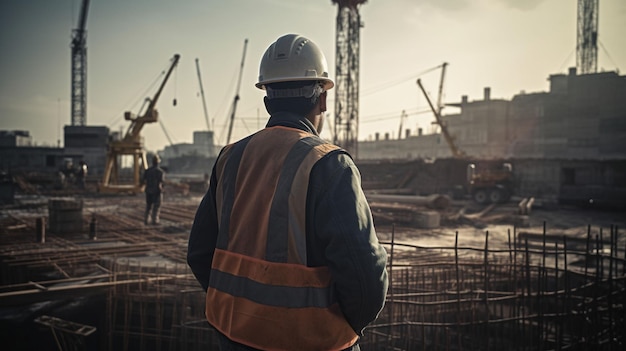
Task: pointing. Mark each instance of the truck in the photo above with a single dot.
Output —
(490, 185)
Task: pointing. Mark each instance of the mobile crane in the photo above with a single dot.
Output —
(132, 145)
(493, 185)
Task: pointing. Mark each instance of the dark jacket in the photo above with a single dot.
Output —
(340, 233)
(153, 179)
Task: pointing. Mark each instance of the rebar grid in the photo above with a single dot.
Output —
(553, 296)
(539, 291)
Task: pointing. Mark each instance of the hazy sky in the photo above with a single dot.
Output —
(508, 45)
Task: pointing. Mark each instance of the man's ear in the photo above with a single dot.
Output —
(323, 101)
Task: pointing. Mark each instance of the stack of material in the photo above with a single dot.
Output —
(419, 211)
(65, 215)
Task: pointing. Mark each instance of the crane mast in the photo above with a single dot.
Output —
(587, 37)
(79, 69)
(347, 52)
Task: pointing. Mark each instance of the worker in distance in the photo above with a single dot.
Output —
(153, 179)
(283, 242)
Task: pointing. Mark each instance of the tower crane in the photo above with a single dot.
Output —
(347, 61)
(132, 145)
(79, 68)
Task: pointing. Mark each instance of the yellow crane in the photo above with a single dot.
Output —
(132, 145)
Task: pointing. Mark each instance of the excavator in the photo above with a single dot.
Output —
(131, 145)
(483, 184)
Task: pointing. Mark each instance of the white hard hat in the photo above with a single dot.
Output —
(293, 58)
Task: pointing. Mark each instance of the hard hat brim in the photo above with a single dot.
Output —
(327, 82)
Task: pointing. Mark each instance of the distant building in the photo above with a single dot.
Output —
(581, 117)
(565, 145)
(15, 138)
(82, 143)
(481, 128)
(17, 153)
(31, 159)
(195, 158)
(91, 143)
(203, 145)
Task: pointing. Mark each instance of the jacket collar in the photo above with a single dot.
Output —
(292, 120)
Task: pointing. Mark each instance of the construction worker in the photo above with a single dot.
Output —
(283, 241)
(153, 179)
(81, 174)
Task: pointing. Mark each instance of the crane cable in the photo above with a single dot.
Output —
(390, 84)
(174, 102)
(137, 98)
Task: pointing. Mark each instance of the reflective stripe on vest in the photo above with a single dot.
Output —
(261, 293)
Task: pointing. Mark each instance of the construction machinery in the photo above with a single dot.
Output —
(131, 145)
(490, 184)
(484, 184)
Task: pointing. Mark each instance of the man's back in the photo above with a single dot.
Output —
(153, 178)
(283, 241)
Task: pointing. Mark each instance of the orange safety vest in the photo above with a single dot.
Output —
(261, 292)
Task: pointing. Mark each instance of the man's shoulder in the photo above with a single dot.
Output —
(155, 170)
(335, 160)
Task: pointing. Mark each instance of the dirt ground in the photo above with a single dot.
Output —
(500, 223)
(503, 223)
